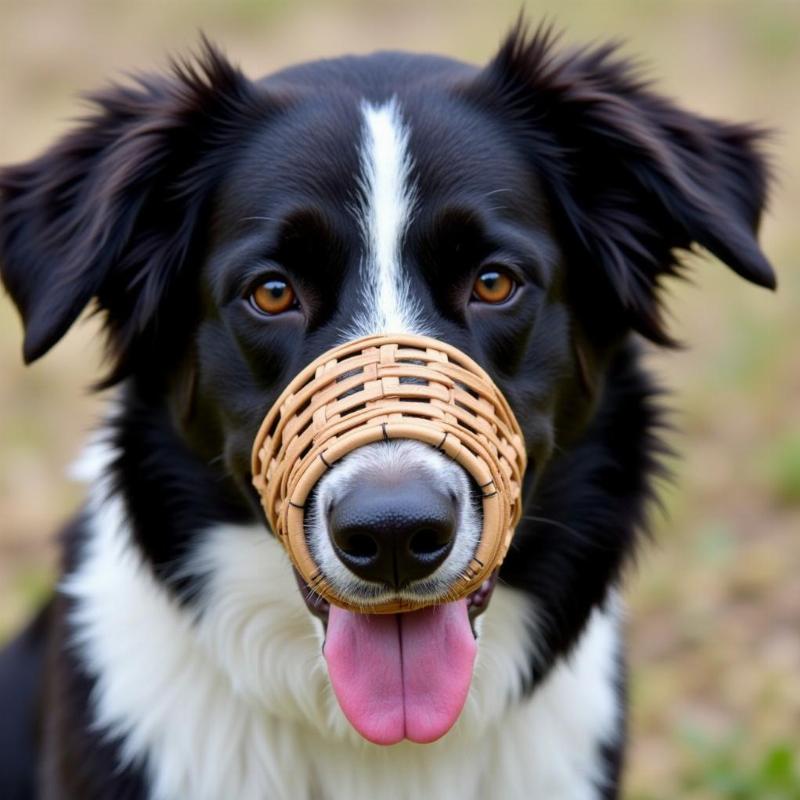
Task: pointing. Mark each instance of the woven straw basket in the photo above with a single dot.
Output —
(382, 388)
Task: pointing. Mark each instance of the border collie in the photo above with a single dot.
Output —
(229, 231)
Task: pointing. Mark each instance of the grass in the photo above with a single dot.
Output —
(782, 468)
(730, 769)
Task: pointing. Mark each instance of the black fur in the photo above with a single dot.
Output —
(169, 203)
(21, 674)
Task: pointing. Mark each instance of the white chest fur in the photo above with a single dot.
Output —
(235, 702)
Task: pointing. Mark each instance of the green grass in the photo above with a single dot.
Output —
(782, 468)
(730, 770)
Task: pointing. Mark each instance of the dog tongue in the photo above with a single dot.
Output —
(401, 676)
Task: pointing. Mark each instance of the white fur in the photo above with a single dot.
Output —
(394, 460)
(387, 202)
(234, 702)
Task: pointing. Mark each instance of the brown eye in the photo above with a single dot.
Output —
(274, 296)
(493, 287)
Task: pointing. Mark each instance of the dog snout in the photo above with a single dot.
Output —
(395, 532)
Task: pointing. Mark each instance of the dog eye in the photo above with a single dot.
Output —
(493, 286)
(274, 296)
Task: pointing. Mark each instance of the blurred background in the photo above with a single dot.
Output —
(715, 601)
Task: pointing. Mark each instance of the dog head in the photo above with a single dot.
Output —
(231, 231)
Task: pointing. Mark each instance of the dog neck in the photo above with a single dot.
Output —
(231, 699)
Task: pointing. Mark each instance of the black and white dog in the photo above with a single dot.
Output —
(230, 231)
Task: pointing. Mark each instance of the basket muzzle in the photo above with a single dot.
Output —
(381, 388)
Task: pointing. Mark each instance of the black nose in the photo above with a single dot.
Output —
(393, 533)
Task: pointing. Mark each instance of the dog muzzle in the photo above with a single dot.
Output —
(381, 388)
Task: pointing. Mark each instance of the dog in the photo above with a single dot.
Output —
(229, 231)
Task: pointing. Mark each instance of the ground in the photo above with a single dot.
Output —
(715, 600)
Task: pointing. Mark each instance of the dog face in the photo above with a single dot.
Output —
(526, 213)
(391, 239)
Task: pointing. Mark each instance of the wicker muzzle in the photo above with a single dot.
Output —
(383, 388)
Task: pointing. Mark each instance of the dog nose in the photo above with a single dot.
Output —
(393, 533)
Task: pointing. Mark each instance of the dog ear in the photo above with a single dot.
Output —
(113, 210)
(631, 177)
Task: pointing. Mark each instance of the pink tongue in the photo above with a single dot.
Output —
(401, 676)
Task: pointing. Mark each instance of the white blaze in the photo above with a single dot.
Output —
(387, 204)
